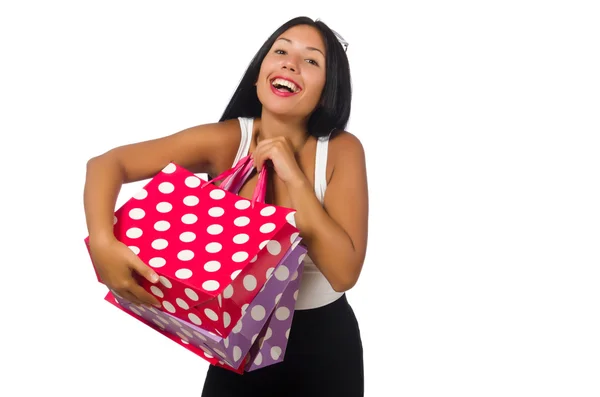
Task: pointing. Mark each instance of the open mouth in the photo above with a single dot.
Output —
(285, 86)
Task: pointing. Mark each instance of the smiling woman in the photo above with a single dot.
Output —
(289, 112)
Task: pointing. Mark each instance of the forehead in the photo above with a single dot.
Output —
(303, 36)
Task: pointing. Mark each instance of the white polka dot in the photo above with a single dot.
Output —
(136, 311)
(183, 274)
(137, 213)
(262, 245)
(241, 221)
(242, 204)
(170, 308)
(219, 352)
(270, 271)
(165, 281)
(156, 291)
(267, 228)
(287, 334)
(195, 319)
(301, 258)
(241, 238)
(213, 247)
(245, 307)
(282, 273)
(250, 282)
(192, 181)
(267, 211)
(228, 292)
(214, 229)
(185, 255)
(269, 333)
(134, 232)
(216, 194)
(237, 353)
(207, 353)
(275, 352)
(226, 319)
(295, 275)
(237, 328)
(240, 256)
(164, 207)
(155, 321)
(182, 304)
(216, 212)
(291, 218)
(142, 194)
(210, 285)
(185, 341)
(226, 342)
(191, 201)
(169, 169)
(282, 313)
(211, 314)
(187, 237)
(164, 320)
(254, 259)
(188, 219)
(160, 244)
(258, 312)
(258, 359)
(219, 300)
(295, 244)
(235, 274)
(296, 295)
(277, 298)
(135, 249)
(166, 187)
(157, 262)
(191, 294)
(274, 247)
(212, 266)
(162, 226)
(115, 220)
(293, 237)
(197, 334)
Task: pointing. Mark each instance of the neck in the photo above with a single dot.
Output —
(271, 126)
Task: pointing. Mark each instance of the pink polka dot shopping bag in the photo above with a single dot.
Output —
(229, 267)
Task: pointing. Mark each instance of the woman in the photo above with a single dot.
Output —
(289, 112)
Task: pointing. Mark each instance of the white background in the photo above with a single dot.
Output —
(480, 122)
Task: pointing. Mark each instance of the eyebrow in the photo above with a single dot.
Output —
(308, 48)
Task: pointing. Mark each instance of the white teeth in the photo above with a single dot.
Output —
(286, 83)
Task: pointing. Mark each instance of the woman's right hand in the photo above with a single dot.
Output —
(116, 265)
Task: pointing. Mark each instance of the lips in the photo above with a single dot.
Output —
(284, 86)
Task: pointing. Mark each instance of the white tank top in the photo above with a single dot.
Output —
(315, 290)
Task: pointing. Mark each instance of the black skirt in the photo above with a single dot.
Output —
(324, 357)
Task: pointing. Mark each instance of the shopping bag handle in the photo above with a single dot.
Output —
(239, 174)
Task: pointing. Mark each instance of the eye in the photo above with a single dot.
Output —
(281, 52)
(312, 62)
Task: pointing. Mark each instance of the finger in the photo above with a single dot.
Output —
(262, 156)
(128, 296)
(142, 269)
(144, 296)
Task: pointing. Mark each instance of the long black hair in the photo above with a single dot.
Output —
(333, 111)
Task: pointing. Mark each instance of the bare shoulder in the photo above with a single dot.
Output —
(346, 151)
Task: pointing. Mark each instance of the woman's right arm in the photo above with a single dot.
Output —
(199, 149)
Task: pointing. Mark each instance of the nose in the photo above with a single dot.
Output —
(290, 64)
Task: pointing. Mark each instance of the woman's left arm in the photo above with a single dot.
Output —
(335, 233)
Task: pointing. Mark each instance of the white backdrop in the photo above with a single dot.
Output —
(480, 122)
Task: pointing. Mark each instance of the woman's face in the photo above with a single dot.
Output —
(292, 74)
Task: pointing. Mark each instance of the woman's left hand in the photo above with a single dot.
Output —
(279, 150)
